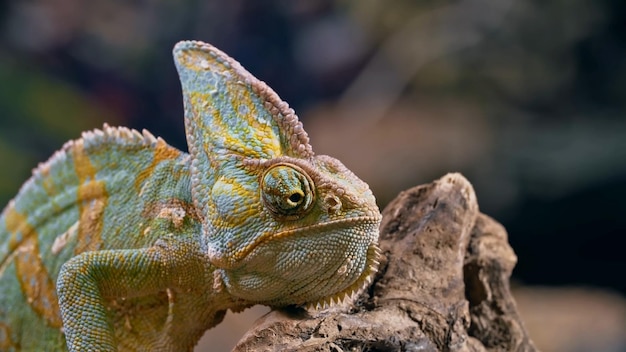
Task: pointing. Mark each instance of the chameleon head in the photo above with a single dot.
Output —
(312, 240)
(282, 225)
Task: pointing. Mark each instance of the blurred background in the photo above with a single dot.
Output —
(525, 98)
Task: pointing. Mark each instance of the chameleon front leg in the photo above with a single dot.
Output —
(87, 280)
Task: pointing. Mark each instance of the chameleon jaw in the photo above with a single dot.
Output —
(360, 284)
(328, 274)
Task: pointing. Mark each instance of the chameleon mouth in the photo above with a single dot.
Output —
(317, 228)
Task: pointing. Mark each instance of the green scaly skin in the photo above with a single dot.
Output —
(122, 242)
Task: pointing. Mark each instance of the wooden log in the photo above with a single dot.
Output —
(443, 285)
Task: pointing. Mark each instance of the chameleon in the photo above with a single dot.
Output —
(122, 242)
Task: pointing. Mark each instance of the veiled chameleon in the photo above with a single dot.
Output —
(121, 241)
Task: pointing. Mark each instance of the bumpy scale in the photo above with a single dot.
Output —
(122, 242)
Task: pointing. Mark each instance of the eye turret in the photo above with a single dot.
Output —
(287, 191)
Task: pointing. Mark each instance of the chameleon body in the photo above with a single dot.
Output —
(122, 242)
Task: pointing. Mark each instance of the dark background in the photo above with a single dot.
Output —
(525, 98)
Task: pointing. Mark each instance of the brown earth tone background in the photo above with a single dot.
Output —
(526, 98)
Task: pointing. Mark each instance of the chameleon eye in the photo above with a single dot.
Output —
(287, 191)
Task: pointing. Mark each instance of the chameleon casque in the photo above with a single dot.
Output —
(122, 242)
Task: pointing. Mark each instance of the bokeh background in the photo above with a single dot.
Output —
(526, 98)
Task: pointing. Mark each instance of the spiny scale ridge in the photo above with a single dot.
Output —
(107, 134)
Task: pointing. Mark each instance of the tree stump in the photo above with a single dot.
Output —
(442, 285)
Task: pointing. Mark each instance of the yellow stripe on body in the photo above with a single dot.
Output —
(35, 282)
(5, 338)
(92, 200)
(162, 152)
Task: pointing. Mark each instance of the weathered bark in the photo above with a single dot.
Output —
(443, 285)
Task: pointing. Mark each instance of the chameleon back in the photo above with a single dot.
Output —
(78, 201)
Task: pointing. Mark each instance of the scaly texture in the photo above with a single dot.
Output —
(122, 242)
